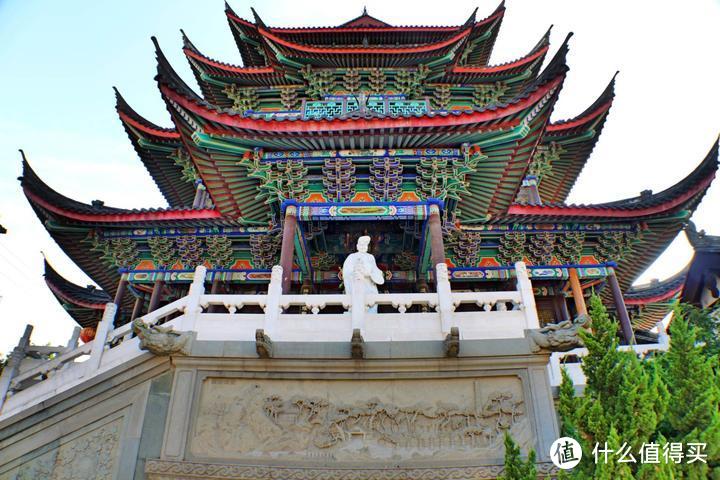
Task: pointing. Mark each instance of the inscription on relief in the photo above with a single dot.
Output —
(350, 421)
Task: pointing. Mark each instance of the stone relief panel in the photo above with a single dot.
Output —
(350, 421)
(91, 455)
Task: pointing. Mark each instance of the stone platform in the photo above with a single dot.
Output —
(404, 411)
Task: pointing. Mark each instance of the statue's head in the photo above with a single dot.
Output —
(363, 243)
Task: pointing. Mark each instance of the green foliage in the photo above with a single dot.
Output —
(567, 407)
(694, 395)
(707, 327)
(671, 398)
(515, 467)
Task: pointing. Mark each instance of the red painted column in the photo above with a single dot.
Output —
(437, 246)
(622, 313)
(287, 248)
(120, 292)
(577, 292)
(137, 308)
(155, 297)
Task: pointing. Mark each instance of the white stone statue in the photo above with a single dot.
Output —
(361, 265)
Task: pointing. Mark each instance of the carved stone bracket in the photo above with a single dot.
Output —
(357, 345)
(558, 337)
(451, 345)
(263, 344)
(162, 341)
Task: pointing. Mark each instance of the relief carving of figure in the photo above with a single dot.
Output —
(255, 422)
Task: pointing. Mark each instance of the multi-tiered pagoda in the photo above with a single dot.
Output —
(403, 133)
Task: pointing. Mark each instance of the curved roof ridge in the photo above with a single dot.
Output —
(427, 47)
(42, 194)
(657, 287)
(471, 21)
(646, 204)
(540, 49)
(607, 95)
(73, 291)
(192, 51)
(367, 18)
(31, 182)
(555, 68)
(127, 112)
(167, 74)
(704, 171)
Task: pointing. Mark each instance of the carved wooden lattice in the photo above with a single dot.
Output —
(386, 179)
(339, 179)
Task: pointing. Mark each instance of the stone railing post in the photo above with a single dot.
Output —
(101, 335)
(272, 308)
(524, 286)
(72, 343)
(13, 363)
(357, 301)
(192, 302)
(444, 292)
(555, 368)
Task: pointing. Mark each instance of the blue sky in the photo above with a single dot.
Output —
(60, 60)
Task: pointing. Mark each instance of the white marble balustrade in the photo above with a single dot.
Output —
(403, 317)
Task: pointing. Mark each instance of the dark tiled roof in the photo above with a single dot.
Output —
(577, 138)
(166, 174)
(84, 304)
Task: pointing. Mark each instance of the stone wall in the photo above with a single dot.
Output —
(221, 412)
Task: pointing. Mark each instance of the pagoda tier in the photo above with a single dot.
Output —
(365, 41)
(563, 151)
(650, 303)
(283, 89)
(663, 215)
(84, 304)
(627, 235)
(162, 153)
(566, 146)
(506, 132)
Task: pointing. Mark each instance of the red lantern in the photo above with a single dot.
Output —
(87, 334)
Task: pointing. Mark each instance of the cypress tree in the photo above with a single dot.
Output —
(694, 396)
(515, 467)
(623, 399)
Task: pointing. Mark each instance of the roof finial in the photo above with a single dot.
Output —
(365, 10)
